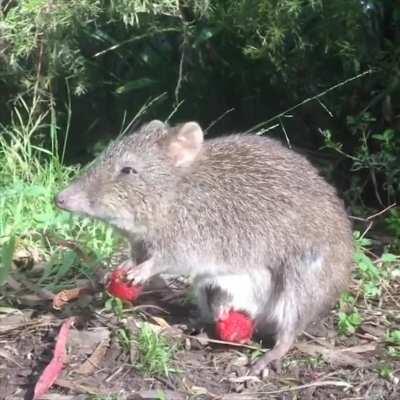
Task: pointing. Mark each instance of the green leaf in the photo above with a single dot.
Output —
(394, 337)
(204, 35)
(7, 253)
(136, 85)
(386, 372)
(371, 290)
(68, 261)
(367, 268)
(348, 323)
(388, 258)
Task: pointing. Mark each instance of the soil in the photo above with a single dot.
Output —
(322, 365)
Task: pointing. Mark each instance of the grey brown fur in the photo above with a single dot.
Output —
(241, 213)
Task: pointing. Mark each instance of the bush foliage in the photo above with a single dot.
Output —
(93, 64)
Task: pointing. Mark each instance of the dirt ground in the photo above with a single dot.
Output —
(322, 365)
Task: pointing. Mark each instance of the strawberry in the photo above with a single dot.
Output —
(118, 287)
(235, 326)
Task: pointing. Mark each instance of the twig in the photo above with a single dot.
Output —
(208, 340)
(325, 108)
(142, 110)
(308, 385)
(385, 286)
(68, 122)
(134, 39)
(320, 341)
(181, 63)
(265, 130)
(114, 374)
(40, 62)
(371, 217)
(282, 114)
(174, 110)
(284, 131)
(373, 179)
(381, 212)
(144, 306)
(166, 382)
(219, 118)
(367, 229)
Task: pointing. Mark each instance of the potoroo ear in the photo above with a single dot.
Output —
(154, 129)
(185, 144)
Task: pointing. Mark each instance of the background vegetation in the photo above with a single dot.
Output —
(85, 68)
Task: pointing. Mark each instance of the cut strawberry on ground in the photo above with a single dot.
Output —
(237, 327)
(118, 286)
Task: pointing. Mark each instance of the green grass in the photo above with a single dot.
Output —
(373, 275)
(156, 352)
(30, 176)
(392, 340)
(6, 256)
(349, 322)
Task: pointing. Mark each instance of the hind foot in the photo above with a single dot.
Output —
(282, 346)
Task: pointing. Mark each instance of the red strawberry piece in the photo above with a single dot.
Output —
(118, 287)
(236, 327)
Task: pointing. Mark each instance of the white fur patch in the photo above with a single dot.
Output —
(313, 264)
(241, 287)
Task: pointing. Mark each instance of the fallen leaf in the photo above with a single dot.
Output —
(65, 296)
(7, 356)
(54, 368)
(86, 341)
(161, 322)
(362, 348)
(155, 395)
(14, 322)
(81, 387)
(58, 396)
(31, 300)
(94, 361)
(377, 331)
(336, 357)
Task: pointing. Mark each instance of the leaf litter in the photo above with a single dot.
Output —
(95, 361)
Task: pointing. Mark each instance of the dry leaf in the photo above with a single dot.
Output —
(65, 296)
(55, 366)
(336, 357)
(80, 387)
(94, 361)
(161, 322)
(86, 341)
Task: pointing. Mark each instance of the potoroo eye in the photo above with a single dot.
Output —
(128, 170)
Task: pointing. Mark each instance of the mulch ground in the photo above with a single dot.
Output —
(322, 365)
